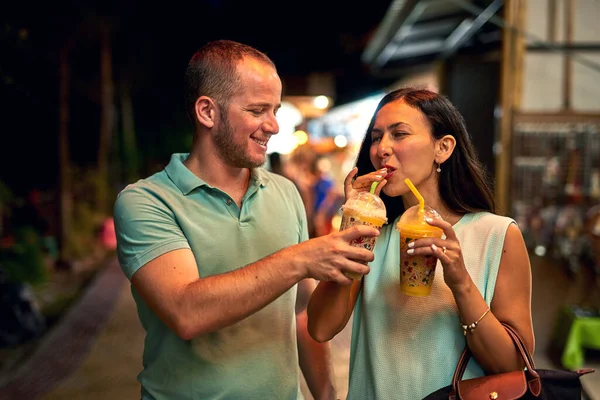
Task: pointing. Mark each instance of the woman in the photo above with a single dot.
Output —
(407, 347)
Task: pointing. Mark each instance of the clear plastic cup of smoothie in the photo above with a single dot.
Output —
(363, 208)
(416, 271)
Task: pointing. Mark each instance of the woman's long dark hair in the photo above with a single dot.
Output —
(464, 185)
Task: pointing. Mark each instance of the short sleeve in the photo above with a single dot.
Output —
(300, 213)
(145, 227)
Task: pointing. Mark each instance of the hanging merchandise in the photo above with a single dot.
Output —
(555, 180)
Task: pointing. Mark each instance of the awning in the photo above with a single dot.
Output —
(417, 31)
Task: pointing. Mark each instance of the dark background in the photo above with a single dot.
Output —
(151, 44)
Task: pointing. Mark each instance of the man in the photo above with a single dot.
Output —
(217, 253)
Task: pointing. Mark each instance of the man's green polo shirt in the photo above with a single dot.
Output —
(255, 358)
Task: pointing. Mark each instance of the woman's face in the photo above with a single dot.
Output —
(402, 143)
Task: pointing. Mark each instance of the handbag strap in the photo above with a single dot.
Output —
(529, 363)
(534, 381)
(461, 366)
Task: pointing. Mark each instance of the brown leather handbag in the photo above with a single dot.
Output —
(530, 383)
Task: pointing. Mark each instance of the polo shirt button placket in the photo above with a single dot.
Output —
(228, 202)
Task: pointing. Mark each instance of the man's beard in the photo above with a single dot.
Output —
(233, 153)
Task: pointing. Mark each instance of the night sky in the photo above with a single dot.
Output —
(153, 43)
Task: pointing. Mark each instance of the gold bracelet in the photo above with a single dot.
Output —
(471, 327)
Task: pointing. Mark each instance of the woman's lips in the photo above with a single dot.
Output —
(390, 171)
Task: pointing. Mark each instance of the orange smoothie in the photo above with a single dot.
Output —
(416, 272)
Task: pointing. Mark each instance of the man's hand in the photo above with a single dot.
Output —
(326, 258)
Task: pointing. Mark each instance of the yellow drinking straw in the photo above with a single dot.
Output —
(414, 190)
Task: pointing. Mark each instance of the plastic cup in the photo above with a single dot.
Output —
(416, 271)
(363, 208)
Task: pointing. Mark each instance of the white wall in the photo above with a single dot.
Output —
(586, 82)
(543, 72)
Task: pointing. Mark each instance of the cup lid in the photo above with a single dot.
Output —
(366, 203)
(412, 217)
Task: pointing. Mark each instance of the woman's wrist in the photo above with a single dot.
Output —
(464, 288)
(471, 305)
(470, 327)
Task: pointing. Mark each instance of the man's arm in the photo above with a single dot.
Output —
(314, 357)
(191, 305)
